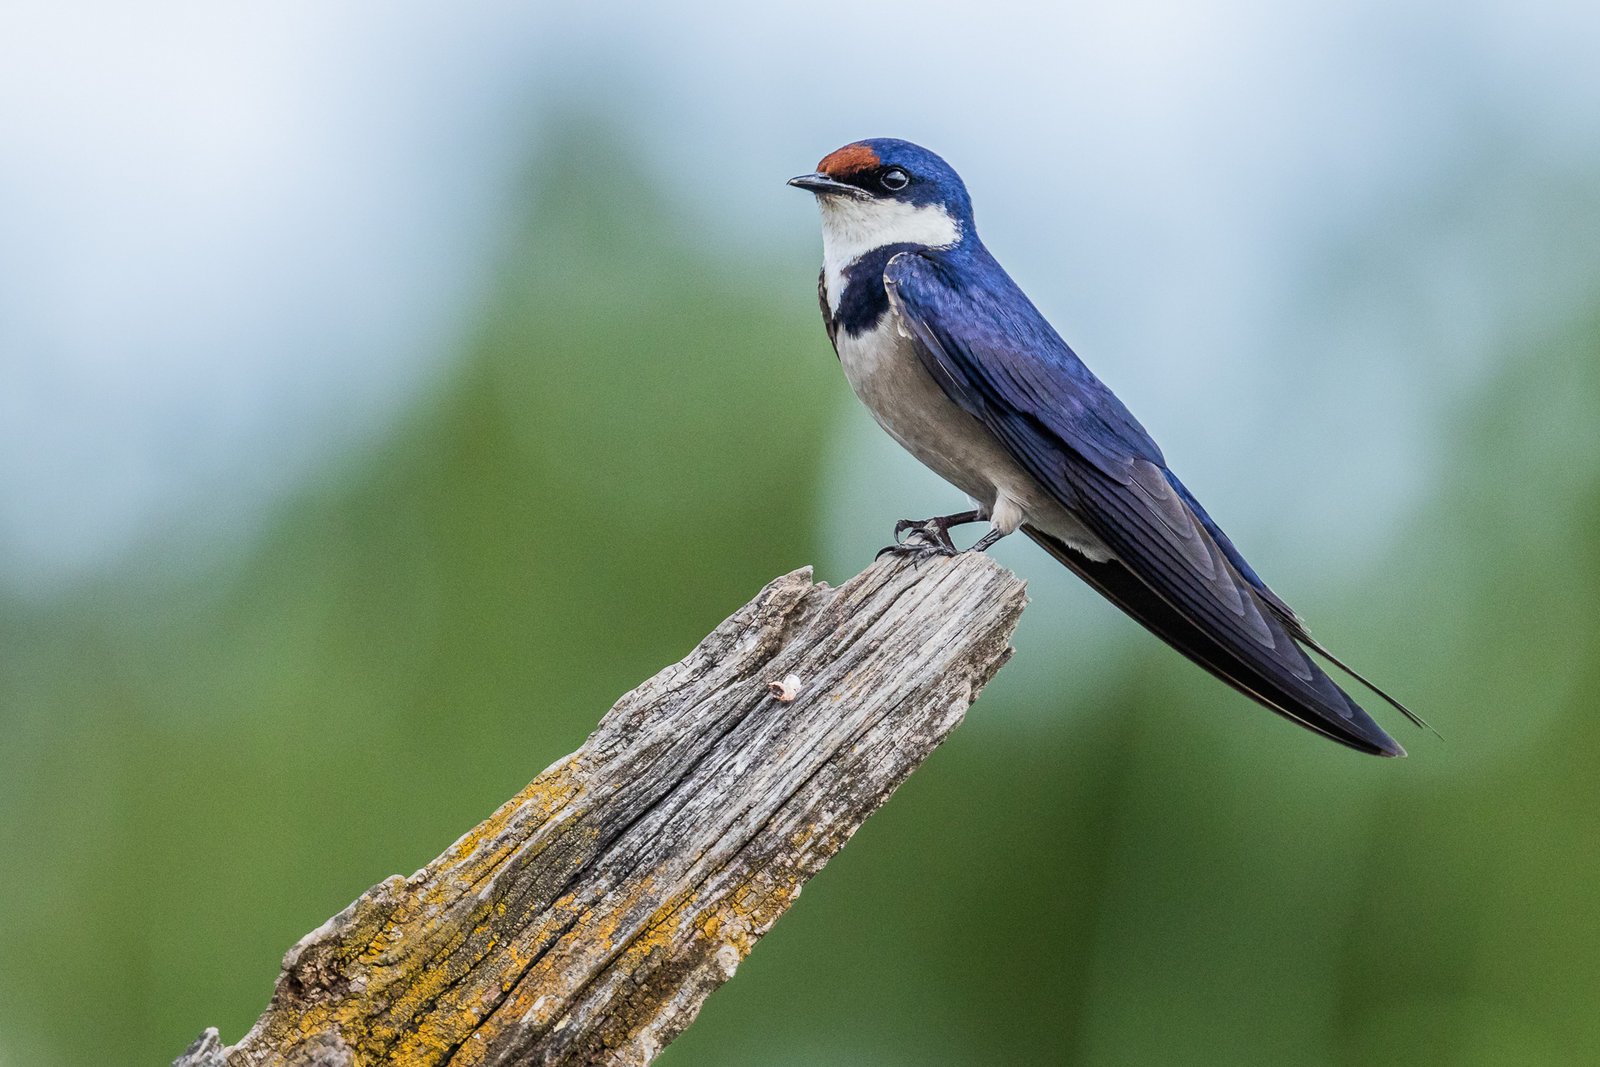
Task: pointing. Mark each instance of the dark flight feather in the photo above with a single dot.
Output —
(1174, 570)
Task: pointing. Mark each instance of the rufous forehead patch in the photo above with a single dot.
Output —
(848, 160)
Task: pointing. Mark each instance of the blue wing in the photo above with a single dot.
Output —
(1174, 570)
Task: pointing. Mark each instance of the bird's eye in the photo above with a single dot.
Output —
(894, 179)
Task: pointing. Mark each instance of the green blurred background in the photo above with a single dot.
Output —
(270, 632)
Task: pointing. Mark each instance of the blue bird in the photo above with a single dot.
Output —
(960, 368)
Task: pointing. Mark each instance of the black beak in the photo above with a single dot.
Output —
(821, 184)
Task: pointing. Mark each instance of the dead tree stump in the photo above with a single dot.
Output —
(587, 920)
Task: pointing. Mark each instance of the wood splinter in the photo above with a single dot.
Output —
(785, 689)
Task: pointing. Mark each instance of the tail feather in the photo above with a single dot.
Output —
(1349, 725)
(1292, 622)
(1316, 646)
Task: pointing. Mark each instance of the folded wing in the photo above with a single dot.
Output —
(1173, 570)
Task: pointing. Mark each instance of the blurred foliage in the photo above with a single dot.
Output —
(196, 773)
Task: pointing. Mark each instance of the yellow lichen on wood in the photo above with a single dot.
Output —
(541, 798)
(587, 918)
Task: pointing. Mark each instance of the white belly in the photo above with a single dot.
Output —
(887, 375)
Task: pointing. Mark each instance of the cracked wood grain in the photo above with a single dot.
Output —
(586, 921)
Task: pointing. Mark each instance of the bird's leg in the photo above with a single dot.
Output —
(930, 535)
(937, 529)
(988, 540)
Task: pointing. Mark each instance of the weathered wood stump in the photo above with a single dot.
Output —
(587, 920)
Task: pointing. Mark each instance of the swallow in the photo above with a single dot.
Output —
(956, 364)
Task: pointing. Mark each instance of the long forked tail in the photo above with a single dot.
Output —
(1300, 634)
(1324, 708)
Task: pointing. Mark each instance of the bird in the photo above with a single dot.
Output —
(962, 370)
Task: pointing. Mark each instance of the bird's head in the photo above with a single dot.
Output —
(887, 192)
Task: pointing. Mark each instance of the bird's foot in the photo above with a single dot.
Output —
(916, 549)
(920, 538)
(925, 534)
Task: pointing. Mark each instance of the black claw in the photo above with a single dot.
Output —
(914, 554)
(935, 527)
(935, 530)
(920, 538)
(916, 550)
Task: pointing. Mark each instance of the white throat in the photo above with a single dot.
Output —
(851, 228)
